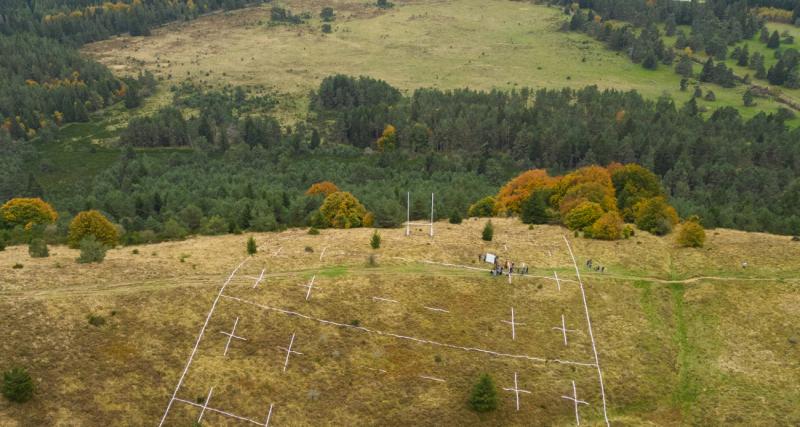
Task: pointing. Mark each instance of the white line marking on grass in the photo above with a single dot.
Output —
(260, 278)
(432, 378)
(289, 351)
(513, 324)
(437, 309)
(231, 335)
(516, 390)
(576, 401)
(310, 286)
(218, 411)
(591, 334)
(197, 343)
(269, 415)
(564, 329)
(384, 299)
(404, 337)
(323, 253)
(558, 282)
(277, 252)
(205, 405)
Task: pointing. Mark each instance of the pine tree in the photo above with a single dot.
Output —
(488, 231)
(707, 74)
(774, 40)
(251, 246)
(455, 217)
(484, 395)
(748, 99)
(17, 385)
(764, 35)
(744, 57)
(375, 241)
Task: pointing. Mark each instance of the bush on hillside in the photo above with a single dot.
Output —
(37, 248)
(482, 208)
(654, 215)
(607, 227)
(691, 234)
(92, 250)
(483, 397)
(17, 385)
(251, 246)
(488, 231)
(92, 223)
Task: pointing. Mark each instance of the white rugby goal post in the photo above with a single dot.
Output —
(408, 216)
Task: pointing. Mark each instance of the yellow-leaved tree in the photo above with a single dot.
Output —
(28, 212)
(92, 223)
(388, 140)
(342, 210)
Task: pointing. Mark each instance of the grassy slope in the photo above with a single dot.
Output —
(696, 351)
(502, 44)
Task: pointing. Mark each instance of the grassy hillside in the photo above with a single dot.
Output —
(444, 44)
(684, 336)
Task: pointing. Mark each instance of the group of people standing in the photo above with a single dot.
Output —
(595, 267)
(508, 267)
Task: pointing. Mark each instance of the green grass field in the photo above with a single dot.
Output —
(444, 44)
(684, 336)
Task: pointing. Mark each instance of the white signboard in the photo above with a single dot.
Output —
(490, 258)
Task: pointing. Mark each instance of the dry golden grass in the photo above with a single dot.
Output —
(695, 352)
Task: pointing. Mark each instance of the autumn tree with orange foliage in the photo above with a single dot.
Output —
(511, 196)
(325, 188)
(388, 140)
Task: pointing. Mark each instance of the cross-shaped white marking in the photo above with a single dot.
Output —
(564, 329)
(231, 335)
(516, 390)
(558, 282)
(205, 405)
(577, 402)
(513, 325)
(310, 286)
(289, 351)
(269, 415)
(260, 278)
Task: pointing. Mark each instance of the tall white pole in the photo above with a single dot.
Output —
(431, 214)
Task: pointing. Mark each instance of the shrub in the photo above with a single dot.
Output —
(215, 225)
(342, 210)
(309, 249)
(313, 231)
(488, 231)
(2, 243)
(607, 227)
(17, 385)
(375, 242)
(326, 28)
(173, 230)
(455, 217)
(17, 266)
(483, 397)
(691, 234)
(92, 223)
(482, 208)
(92, 250)
(583, 215)
(37, 248)
(655, 216)
(251, 246)
(28, 212)
(95, 320)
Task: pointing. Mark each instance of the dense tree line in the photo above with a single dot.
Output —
(730, 171)
(44, 82)
(82, 21)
